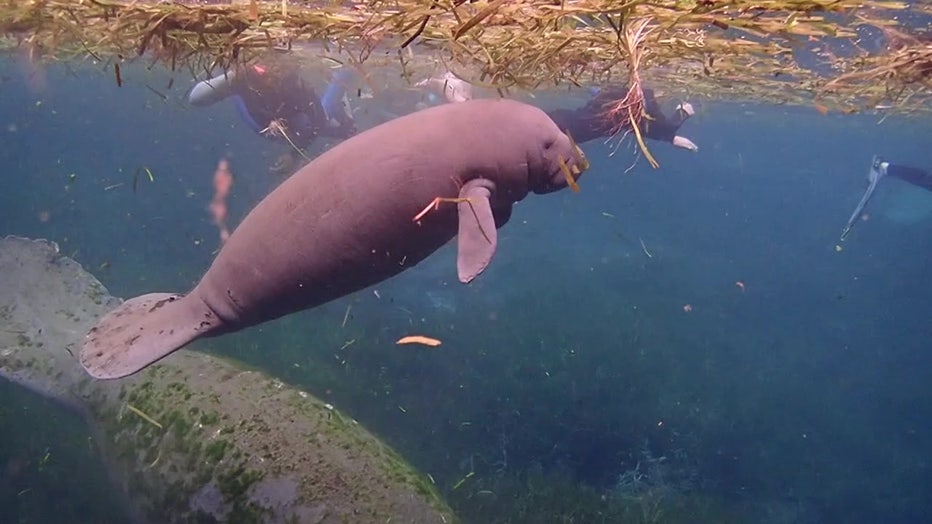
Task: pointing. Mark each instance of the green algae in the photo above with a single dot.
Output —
(182, 439)
(200, 440)
(336, 427)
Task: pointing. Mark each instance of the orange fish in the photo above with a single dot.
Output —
(218, 210)
(223, 179)
(418, 339)
(223, 183)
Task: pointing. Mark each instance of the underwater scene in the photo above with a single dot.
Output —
(710, 340)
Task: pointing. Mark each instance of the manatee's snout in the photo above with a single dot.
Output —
(564, 163)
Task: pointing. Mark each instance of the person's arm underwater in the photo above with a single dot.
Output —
(230, 85)
(334, 102)
(658, 127)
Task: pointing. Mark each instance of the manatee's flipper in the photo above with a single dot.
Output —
(477, 236)
(142, 331)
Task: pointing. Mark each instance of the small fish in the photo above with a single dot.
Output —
(418, 339)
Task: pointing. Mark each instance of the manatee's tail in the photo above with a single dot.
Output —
(142, 331)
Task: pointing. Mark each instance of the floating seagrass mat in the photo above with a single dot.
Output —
(849, 55)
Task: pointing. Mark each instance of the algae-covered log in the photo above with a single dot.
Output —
(198, 438)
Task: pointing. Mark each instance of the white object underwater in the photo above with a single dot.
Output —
(453, 88)
(208, 92)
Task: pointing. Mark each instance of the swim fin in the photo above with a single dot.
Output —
(208, 92)
(873, 177)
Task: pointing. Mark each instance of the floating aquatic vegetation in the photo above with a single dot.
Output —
(908, 62)
(714, 48)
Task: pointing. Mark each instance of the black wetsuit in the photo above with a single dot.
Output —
(913, 175)
(589, 121)
(286, 97)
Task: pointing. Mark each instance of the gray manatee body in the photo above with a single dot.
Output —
(268, 452)
(346, 221)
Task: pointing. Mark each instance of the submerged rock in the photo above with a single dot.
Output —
(196, 438)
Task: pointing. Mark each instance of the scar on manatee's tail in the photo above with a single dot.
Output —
(142, 331)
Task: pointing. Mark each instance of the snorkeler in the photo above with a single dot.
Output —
(273, 100)
(590, 121)
(879, 169)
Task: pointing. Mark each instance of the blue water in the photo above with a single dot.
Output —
(803, 397)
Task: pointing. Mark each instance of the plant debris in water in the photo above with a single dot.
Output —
(715, 48)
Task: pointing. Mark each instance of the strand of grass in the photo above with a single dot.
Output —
(284, 135)
(142, 415)
(632, 105)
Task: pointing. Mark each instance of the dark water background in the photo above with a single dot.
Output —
(571, 382)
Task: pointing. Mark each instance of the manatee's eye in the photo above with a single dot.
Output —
(549, 144)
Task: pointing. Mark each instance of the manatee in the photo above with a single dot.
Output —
(365, 210)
